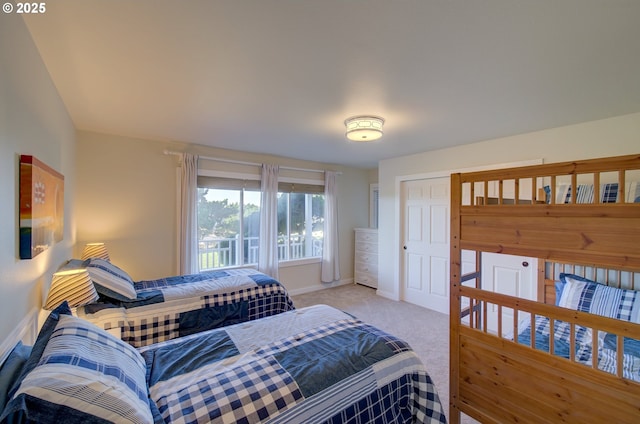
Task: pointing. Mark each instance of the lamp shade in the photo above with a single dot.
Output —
(95, 250)
(74, 286)
(364, 128)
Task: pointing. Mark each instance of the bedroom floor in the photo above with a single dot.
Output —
(426, 331)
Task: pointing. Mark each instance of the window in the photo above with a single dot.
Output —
(228, 227)
(300, 225)
(229, 222)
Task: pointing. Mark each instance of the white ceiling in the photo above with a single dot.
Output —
(280, 76)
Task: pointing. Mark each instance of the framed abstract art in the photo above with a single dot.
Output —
(41, 207)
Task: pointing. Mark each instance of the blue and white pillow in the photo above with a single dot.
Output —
(559, 287)
(12, 369)
(78, 373)
(111, 281)
(584, 295)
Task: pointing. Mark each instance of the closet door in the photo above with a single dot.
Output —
(425, 255)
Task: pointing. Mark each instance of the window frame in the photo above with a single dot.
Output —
(281, 180)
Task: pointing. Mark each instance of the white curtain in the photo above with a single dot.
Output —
(268, 254)
(330, 254)
(189, 214)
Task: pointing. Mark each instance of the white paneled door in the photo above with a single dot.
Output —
(510, 275)
(425, 243)
(425, 256)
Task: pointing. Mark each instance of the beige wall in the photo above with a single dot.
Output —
(373, 176)
(607, 137)
(126, 197)
(33, 121)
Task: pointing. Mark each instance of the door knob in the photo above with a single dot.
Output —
(525, 264)
(404, 247)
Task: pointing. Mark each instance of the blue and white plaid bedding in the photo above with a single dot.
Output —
(582, 294)
(177, 306)
(561, 339)
(312, 365)
(606, 350)
(585, 193)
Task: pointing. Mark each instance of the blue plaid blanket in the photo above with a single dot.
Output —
(177, 306)
(580, 293)
(605, 352)
(561, 339)
(312, 365)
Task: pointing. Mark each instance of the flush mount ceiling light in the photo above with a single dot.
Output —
(364, 127)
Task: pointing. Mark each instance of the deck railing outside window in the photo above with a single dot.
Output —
(216, 252)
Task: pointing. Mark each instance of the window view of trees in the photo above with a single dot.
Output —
(229, 226)
(217, 217)
(300, 225)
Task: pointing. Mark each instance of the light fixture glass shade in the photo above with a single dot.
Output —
(95, 250)
(364, 128)
(74, 286)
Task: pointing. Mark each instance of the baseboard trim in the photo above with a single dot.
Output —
(26, 331)
(387, 295)
(321, 286)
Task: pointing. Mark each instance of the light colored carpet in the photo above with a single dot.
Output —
(425, 330)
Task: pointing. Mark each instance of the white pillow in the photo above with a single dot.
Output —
(111, 281)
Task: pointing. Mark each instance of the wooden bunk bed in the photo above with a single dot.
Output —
(494, 376)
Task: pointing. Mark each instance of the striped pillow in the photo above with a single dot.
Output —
(83, 375)
(582, 294)
(111, 281)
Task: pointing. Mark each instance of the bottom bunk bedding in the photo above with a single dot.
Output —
(579, 293)
(561, 339)
(314, 364)
(607, 348)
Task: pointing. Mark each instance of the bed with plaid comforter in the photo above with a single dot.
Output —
(177, 306)
(311, 365)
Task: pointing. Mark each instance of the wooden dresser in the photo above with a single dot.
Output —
(366, 257)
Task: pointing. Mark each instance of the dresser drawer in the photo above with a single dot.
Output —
(366, 237)
(367, 247)
(371, 268)
(366, 279)
(366, 257)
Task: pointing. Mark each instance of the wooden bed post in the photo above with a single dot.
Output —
(542, 291)
(454, 299)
